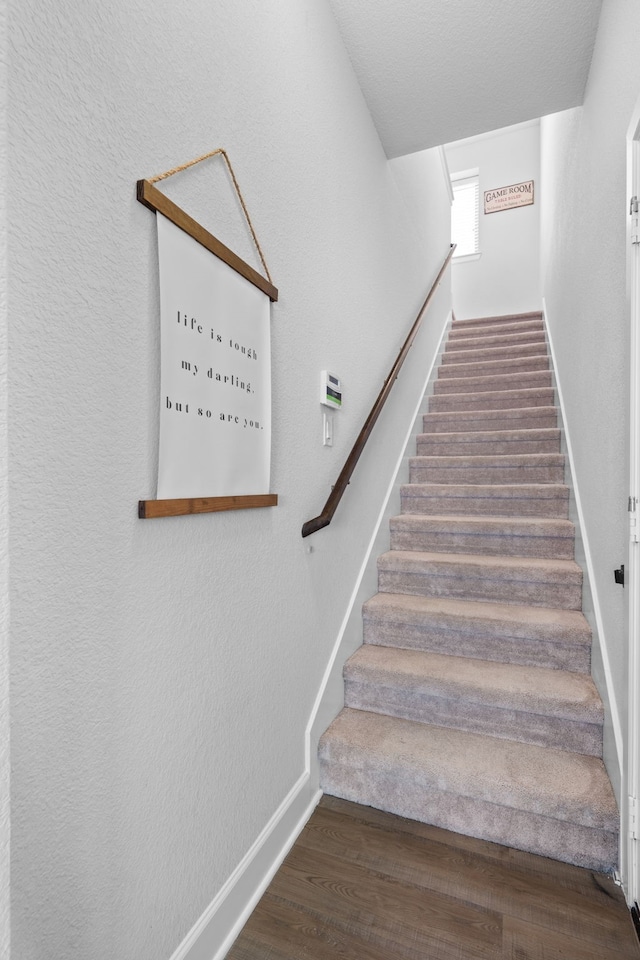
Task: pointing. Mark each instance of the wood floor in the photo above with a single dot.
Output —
(360, 884)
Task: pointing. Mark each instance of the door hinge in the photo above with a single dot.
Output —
(633, 519)
(633, 818)
(635, 226)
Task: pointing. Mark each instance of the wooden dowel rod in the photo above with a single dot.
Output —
(152, 198)
(152, 509)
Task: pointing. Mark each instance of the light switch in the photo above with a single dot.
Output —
(327, 430)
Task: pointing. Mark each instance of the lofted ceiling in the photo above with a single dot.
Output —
(432, 72)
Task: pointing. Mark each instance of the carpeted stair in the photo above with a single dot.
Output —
(470, 704)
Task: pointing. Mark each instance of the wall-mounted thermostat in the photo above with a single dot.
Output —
(330, 390)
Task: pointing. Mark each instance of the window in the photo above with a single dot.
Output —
(465, 213)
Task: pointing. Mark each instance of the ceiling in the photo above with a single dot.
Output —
(432, 72)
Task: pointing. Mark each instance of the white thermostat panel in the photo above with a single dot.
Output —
(330, 390)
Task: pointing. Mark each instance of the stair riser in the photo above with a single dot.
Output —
(486, 342)
(457, 422)
(485, 506)
(434, 637)
(493, 353)
(471, 474)
(490, 384)
(433, 447)
(496, 329)
(498, 400)
(492, 545)
(388, 790)
(425, 707)
(566, 596)
(489, 368)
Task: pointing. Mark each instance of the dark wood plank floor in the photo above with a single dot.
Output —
(360, 884)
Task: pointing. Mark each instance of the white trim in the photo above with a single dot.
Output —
(465, 174)
(214, 932)
(466, 258)
(330, 698)
(446, 173)
(487, 135)
(631, 864)
(613, 703)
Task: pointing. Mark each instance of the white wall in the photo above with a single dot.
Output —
(505, 279)
(583, 280)
(164, 671)
(417, 175)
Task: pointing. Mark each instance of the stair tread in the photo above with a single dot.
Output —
(539, 690)
(486, 396)
(488, 490)
(513, 620)
(532, 526)
(496, 468)
(535, 568)
(499, 318)
(471, 443)
(541, 780)
(459, 333)
(480, 533)
(512, 341)
(491, 459)
(470, 384)
(489, 499)
(492, 400)
(454, 370)
(510, 413)
(478, 436)
(494, 353)
(505, 332)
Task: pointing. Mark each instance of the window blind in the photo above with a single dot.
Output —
(465, 215)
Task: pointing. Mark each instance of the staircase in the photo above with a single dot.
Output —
(470, 705)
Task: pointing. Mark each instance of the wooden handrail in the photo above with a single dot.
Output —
(330, 507)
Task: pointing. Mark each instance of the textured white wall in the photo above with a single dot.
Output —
(506, 278)
(583, 279)
(164, 671)
(423, 184)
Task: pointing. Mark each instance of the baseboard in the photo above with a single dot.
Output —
(594, 613)
(215, 931)
(330, 698)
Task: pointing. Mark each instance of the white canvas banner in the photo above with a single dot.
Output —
(215, 376)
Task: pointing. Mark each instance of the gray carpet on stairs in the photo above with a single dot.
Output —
(470, 705)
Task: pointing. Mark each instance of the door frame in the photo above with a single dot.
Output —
(630, 846)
